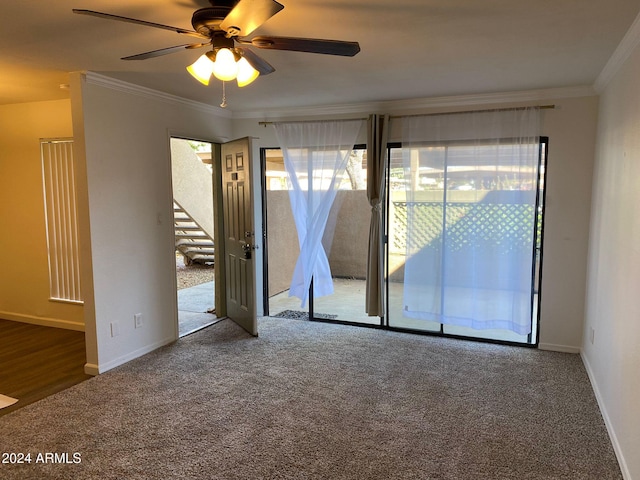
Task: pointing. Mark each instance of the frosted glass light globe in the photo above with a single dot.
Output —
(225, 67)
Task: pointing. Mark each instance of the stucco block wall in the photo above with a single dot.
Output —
(24, 278)
(282, 241)
(351, 216)
(349, 219)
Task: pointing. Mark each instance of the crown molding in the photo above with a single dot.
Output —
(391, 106)
(420, 104)
(622, 52)
(132, 89)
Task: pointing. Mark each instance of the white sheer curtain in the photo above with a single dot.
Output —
(315, 157)
(471, 183)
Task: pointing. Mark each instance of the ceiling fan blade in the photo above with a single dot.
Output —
(109, 16)
(194, 3)
(310, 45)
(248, 15)
(257, 62)
(164, 51)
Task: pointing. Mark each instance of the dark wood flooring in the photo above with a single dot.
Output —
(36, 361)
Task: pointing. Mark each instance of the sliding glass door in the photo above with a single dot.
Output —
(463, 223)
(345, 244)
(464, 229)
(347, 248)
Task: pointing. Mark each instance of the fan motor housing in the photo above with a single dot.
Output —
(206, 21)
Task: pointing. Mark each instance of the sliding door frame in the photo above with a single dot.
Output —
(313, 318)
(536, 268)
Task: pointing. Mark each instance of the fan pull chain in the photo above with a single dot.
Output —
(224, 96)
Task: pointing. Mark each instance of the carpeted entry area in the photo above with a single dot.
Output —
(312, 400)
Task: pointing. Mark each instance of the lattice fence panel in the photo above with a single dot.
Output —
(506, 227)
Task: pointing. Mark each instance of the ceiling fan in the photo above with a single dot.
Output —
(224, 26)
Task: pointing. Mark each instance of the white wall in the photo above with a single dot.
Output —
(126, 221)
(613, 307)
(571, 128)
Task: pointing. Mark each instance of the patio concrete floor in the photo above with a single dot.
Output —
(347, 303)
(193, 304)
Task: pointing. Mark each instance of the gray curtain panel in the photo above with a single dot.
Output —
(377, 134)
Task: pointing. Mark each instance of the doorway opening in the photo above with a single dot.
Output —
(346, 246)
(194, 220)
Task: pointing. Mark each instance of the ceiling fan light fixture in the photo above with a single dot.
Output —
(202, 69)
(246, 73)
(220, 27)
(225, 67)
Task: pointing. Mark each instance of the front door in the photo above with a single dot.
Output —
(239, 234)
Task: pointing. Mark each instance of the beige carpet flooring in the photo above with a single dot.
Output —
(320, 401)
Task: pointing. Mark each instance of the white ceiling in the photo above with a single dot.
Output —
(409, 48)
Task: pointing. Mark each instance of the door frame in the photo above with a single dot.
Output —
(219, 298)
(258, 216)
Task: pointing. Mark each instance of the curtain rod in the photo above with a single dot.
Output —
(541, 107)
(264, 124)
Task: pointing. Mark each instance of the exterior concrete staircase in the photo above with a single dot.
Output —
(192, 204)
(195, 245)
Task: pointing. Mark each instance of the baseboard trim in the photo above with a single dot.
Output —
(43, 321)
(624, 468)
(93, 369)
(558, 348)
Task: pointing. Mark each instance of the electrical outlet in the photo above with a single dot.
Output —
(137, 320)
(115, 329)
